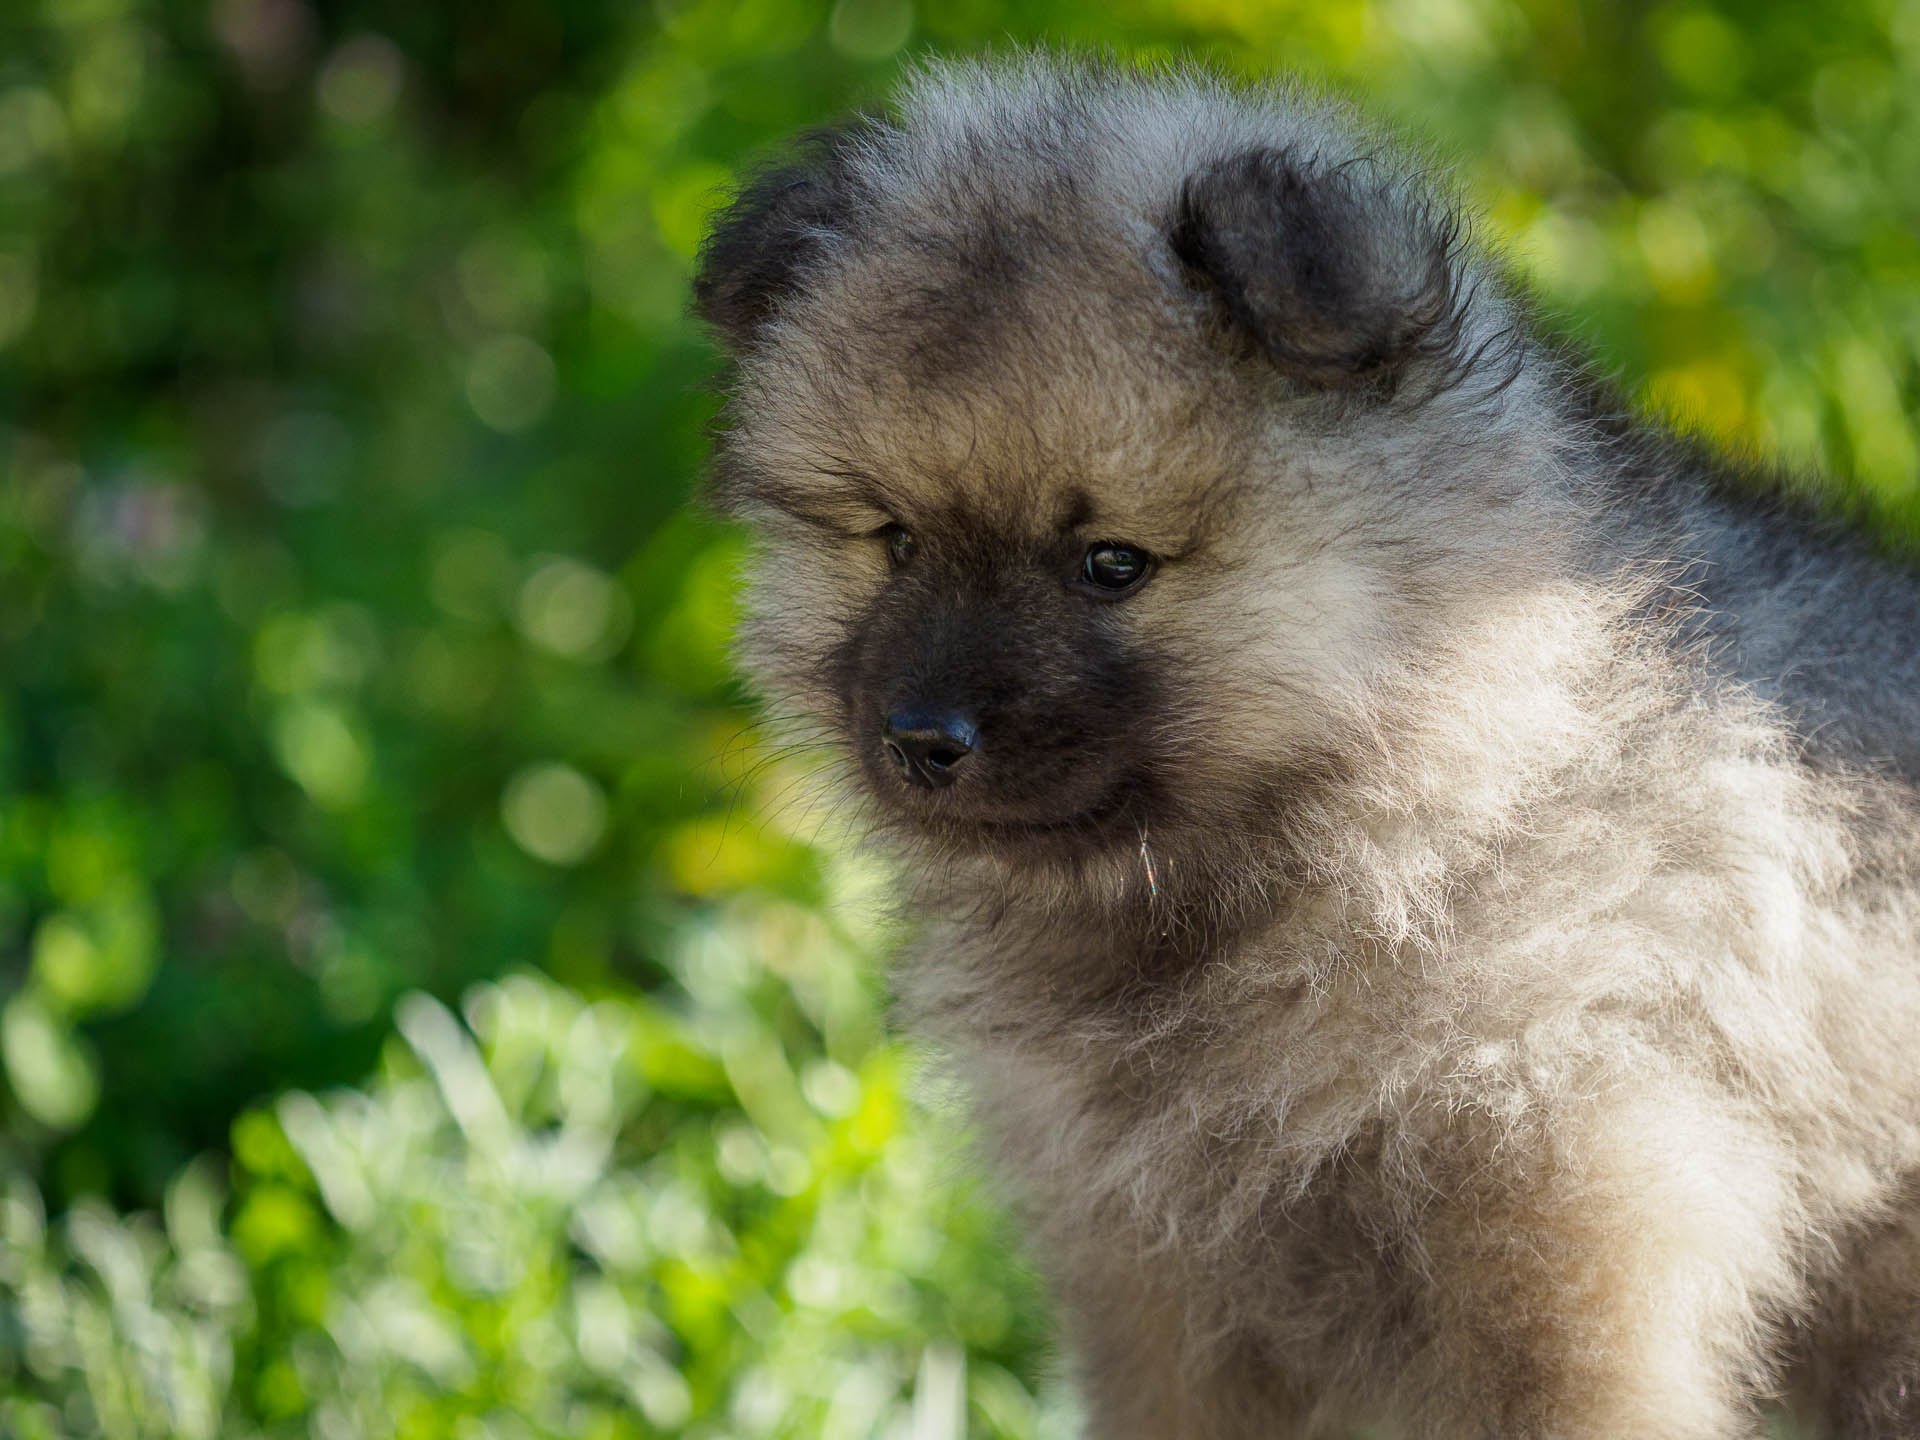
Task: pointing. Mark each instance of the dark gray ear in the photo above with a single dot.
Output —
(1342, 274)
(757, 250)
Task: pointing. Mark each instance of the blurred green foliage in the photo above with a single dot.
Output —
(357, 646)
(570, 1219)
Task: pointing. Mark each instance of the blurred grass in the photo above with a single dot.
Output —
(358, 653)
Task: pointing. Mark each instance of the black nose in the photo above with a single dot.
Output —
(927, 747)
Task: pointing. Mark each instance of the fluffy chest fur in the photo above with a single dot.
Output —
(1620, 1066)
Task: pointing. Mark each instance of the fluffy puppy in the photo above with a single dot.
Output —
(1419, 866)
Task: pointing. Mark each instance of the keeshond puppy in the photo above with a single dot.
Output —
(1419, 866)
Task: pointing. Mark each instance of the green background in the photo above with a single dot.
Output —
(424, 1009)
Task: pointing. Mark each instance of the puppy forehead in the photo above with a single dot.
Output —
(1023, 465)
(1059, 411)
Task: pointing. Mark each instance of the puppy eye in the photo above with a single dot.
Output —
(1114, 567)
(899, 542)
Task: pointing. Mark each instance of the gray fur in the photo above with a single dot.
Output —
(1442, 954)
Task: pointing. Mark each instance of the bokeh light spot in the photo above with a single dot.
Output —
(1701, 50)
(1677, 250)
(574, 610)
(471, 574)
(32, 128)
(869, 29)
(554, 813)
(510, 383)
(99, 959)
(107, 80)
(504, 281)
(50, 1074)
(318, 745)
(361, 80)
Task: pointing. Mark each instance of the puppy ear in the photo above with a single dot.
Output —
(755, 255)
(1342, 274)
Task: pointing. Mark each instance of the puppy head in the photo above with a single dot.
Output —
(1114, 446)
